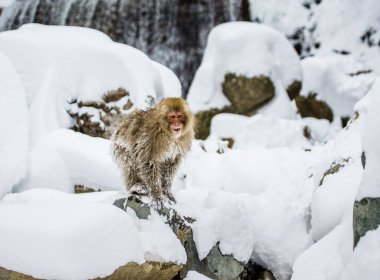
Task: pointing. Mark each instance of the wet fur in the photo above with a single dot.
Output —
(146, 151)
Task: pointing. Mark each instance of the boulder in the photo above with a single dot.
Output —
(215, 265)
(310, 106)
(247, 94)
(366, 216)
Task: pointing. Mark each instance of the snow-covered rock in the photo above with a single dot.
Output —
(64, 158)
(336, 80)
(248, 50)
(74, 235)
(77, 63)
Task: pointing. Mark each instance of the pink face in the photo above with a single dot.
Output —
(176, 121)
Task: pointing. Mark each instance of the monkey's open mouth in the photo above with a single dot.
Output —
(177, 129)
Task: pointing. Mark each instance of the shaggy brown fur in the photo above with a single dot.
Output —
(148, 153)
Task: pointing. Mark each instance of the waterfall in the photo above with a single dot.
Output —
(173, 33)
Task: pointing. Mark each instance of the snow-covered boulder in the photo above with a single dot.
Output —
(337, 80)
(367, 206)
(246, 66)
(84, 237)
(69, 77)
(248, 50)
(75, 63)
(14, 127)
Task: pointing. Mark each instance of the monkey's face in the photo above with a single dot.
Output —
(176, 122)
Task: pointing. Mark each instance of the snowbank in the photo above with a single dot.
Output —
(332, 256)
(365, 259)
(79, 236)
(332, 79)
(78, 63)
(14, 129)
(326, 258)
(64, 158)
(246, 49)
(253, 202)
(72, 240)
(369, 186)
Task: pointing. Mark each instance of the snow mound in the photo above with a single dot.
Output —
(326, 258)
(72, 240)
(79, 236)
(365, 259)
(64, 158)
(78, 63)
(271, 132)
(333, 79)
(369, 186)
(246, 49)
(14, 129)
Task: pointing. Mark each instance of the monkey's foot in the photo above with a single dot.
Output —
(170, 197)
(139, 190)
(157, 203)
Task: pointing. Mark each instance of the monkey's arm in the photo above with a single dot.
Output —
(169, 169)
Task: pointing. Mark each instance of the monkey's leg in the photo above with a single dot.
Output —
(151, 175)
(134, 184)
(169, 169)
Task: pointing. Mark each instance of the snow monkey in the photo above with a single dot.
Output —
(149, 145)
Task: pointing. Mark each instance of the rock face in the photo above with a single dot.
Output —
(366, 216)
(215, 265)
(247, 94)
(310, 106)
(173, 33)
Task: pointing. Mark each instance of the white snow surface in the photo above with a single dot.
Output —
(363, 263)
(64, 158)
(193, 275)
(13, 124)
(78, 63)
(247, 49)
(332, 79)
(79, 236)
(369, 186)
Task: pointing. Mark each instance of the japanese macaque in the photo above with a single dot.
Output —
(150, 145)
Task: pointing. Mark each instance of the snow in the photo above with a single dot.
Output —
(330, 78)
(327, 210)
(271, 132)
(369, 186)
(260, 51)
(253, 212)
(71, 240)
(286, 16)
(193, 275)
(64, 158)
(365, 259)
(83, 231)
(77, 63)
(14, 130)
(326, 258)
